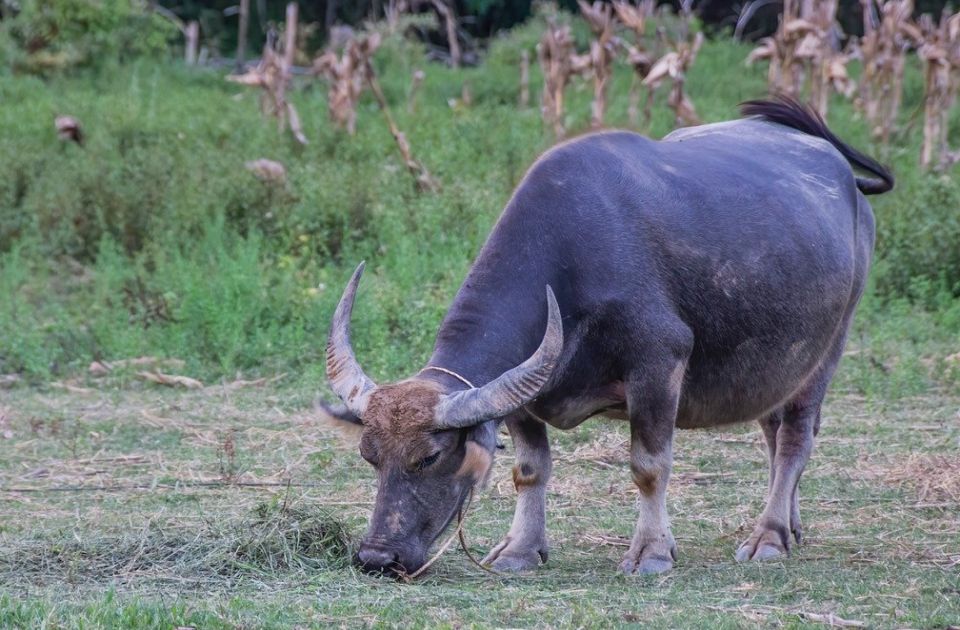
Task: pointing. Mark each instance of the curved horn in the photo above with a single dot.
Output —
(345, 375)
(512, 389)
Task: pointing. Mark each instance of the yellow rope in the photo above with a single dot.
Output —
(457, 533)
(412, 576)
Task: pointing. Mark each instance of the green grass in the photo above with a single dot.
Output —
(124, 508)
(153, 239)
(125, 505)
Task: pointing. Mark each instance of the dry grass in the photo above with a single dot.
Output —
(200, 494)
(272, 537)
(934, 478)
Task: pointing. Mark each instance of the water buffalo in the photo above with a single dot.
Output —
(705, 279)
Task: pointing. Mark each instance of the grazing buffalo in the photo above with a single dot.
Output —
(706, 279)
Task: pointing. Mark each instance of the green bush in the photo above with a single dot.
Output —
(920, 240)
(153, 238)
(48, 36)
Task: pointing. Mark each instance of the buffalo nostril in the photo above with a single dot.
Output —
(375, 560)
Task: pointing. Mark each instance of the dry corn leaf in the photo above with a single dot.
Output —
(766, 50)
(101, 368)
(832, 620)
(267, 170)
(667, 65)
(810, 47)
(799, 26)
(171, 380)
(258, 382)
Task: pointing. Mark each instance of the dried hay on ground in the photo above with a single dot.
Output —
(273, 536)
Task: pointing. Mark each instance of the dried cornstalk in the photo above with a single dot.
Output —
(393, 11)
(674, 65)
(192, 35)
(286, 64)
(346, 75)
(424, 180)
(450, 22)
(940, 53)
(242, 29)
(556, 56)
(268, 171)
(415, 83)
(806, 46)
(603, 48)
(272, 75)
(883, 52)
(783, 73)
(170, 380)
(524, 79)
(635, 17)
(827, 64)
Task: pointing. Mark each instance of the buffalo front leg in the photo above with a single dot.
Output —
(652, 406)
(790, 442)
(525, 546)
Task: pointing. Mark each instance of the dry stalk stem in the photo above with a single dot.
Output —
(272, 75)
(599, 61)
(192, 35)
(286, 63)
(524, 79)
(424, 180)
(940, 53)
(242, 35)
(556, 56)
(415, 83)
(827, 63)
(346, 75)
(635, 18)
(674, 66)
(806, 46)
(450, 22)
(883, 52)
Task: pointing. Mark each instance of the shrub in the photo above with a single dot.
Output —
(919, 239)
(48, 36)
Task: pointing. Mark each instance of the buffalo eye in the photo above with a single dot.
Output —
(428, 461)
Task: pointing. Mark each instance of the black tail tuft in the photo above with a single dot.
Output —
(786, 110)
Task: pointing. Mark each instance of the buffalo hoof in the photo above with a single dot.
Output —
(651, 560)
(508, 557)
(768, 541)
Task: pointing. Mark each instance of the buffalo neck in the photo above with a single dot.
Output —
(499, 314)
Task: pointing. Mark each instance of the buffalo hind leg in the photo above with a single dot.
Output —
(770, 425)
(790, 449)
(795, 426)
(652, 405)
(525, 546)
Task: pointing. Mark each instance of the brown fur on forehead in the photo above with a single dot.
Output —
(400, 416)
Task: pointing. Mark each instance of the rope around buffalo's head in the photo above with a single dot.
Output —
(457, 533)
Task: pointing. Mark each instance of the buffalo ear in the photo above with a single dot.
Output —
(339, 417)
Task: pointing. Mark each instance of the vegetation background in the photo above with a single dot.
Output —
(153, 239)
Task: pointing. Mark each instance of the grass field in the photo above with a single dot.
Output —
(134, 507)
(129, 505)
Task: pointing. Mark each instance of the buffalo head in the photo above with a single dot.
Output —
(429, 445)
